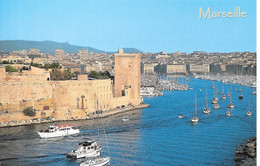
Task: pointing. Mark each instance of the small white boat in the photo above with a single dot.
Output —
(206, 110)
(200, 90)
(223, 97)
(195, 119)
(181, 116)
(58, 131)
(214, 101)
(96, 162)
(228, 113)
(88, 148)
(254, 93)
(240, 90)
(125, 119)
(216, 106)
(249, 113)
(231, 105)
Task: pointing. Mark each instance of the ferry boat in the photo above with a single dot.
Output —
(195, 119)
(58, 131)
(88, 148)
(96, 162)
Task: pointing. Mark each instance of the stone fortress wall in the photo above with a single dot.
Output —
(66, 99)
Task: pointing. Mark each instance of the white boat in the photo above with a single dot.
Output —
(206, 110)
(88, 148)
(230, 104)
(216, 106)
(254, 93)
(125, 119)
(96, 162)
(58, 131)
(181, 116)
(223, 97)
(240, 90)
(228, 113)
(200, 90)
(215, 100)
(195, 119)
(249, 113)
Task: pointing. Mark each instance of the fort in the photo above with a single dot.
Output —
(70, 99)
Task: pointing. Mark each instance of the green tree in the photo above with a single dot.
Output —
(29, 111)
(10, 69)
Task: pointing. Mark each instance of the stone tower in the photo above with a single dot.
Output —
(128, 76)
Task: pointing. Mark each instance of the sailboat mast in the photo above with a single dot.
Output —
(230, 93)
(195, 106)
(249, 103)
(206, 96)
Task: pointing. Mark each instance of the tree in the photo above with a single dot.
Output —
(10, 69)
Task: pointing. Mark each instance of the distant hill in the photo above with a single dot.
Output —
(49, 46)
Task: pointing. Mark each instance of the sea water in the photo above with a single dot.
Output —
(152, 136)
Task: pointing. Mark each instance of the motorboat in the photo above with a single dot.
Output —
(58, 131)
(125, 119)
(216, 106)
(181, 116)
(195, 119)
(88, 148)
(96, 162)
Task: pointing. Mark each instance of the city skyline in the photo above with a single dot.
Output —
(150, 26)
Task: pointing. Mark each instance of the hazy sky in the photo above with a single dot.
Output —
(149, 25)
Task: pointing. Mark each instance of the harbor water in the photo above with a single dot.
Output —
(152, 136)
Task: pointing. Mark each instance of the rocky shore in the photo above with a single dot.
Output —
(246, 155)
(104, 114)
(233, 79)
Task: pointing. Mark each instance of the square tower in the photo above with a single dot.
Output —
(128, 76)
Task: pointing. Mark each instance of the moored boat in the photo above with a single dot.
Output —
(58, 131)
(96, 162)
(249, 113)
(206, 110)
(195, 119)
(88, 148)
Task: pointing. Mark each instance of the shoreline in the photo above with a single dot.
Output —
(249, 81)
(104, 114)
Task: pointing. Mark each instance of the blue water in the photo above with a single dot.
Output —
(153, 136)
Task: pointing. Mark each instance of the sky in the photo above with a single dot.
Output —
(148, 25)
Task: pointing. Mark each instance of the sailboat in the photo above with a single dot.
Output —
(228, 93)
(206, 110)
(228, 113)
(230, 104)
(213, 87)
(195, 119)
(249, 113)
(223, 97)
(215, 100)
(100, 161)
